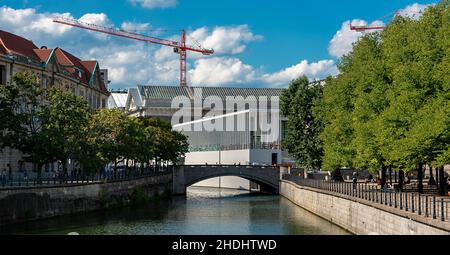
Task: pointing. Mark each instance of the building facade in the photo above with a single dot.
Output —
(53, 68)
(239, 110)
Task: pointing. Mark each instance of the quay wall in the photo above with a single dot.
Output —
(360, 217)
(25, 204)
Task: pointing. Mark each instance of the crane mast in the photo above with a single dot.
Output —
(180, 48)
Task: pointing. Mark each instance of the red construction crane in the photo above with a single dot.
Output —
(365, 28)
(178, 47)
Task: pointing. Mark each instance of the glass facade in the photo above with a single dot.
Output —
(238, 131)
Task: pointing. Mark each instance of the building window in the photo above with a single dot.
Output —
(103, 103)
(2, 75)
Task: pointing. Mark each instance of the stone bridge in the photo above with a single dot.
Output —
(266, 177)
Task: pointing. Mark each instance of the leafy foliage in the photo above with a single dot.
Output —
(50, 125)
(302, 139)
(390, 104)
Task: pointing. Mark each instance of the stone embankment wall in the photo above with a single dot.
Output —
(24, 204)
(360, 217)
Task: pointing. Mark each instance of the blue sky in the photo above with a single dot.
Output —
(261, 43)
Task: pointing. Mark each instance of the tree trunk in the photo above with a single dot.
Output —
(420, 178)
(432, 180)
(438, 184)
(390, 175)
(383, 176)
(401, 179)
(442, 182)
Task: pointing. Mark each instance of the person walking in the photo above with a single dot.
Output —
(9, 172)
(3, 177)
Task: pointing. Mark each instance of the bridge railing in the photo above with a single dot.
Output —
(234, 165)
(24, 181)
(426, 205)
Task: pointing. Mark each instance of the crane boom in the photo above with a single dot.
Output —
(364, 28)
(179, 47)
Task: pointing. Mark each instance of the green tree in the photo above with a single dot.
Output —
(22, 102)
(64, 121)
(389, 105)
(303, 129)
(169, 145)
(106, 133)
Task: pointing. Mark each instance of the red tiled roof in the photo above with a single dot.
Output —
(62, 58)
(2, 48)
(43, 54)
(89, 65)
(72, 64)
(18, 45)
(10, 43)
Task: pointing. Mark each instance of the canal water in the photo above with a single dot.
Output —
(205, 211)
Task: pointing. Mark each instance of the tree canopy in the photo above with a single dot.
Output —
(302, 136)
(50, 125)
(388, 107)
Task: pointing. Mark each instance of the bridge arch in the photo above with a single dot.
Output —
(185, 176)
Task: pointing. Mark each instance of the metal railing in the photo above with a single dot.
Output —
(425, 205)
(50, 179)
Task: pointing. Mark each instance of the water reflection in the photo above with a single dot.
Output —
(205, 211)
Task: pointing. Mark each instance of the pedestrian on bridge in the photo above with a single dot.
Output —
(355, 180)
(3, 177)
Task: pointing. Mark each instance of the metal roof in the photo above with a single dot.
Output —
(117, 100)
(170, 92)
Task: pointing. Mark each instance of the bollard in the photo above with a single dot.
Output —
(376, 194)
(426, 206)
(400, 195)
(385, 198)
(434, 207)
(442, 210)
(419, 211)
(412, 203)
(395, 199)
(390, 198)
(406, 201)
(381, 196)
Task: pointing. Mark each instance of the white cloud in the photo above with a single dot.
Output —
(134, 26)
(130, 62)
(155, 3)
(26, 22)
(100, 19)
(343, 40)
(225, 40)
(219, 70)
(414, 11)
(314, 71)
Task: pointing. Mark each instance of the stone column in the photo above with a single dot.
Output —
(178, 182)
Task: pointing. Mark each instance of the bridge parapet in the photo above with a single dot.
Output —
(184, 176)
